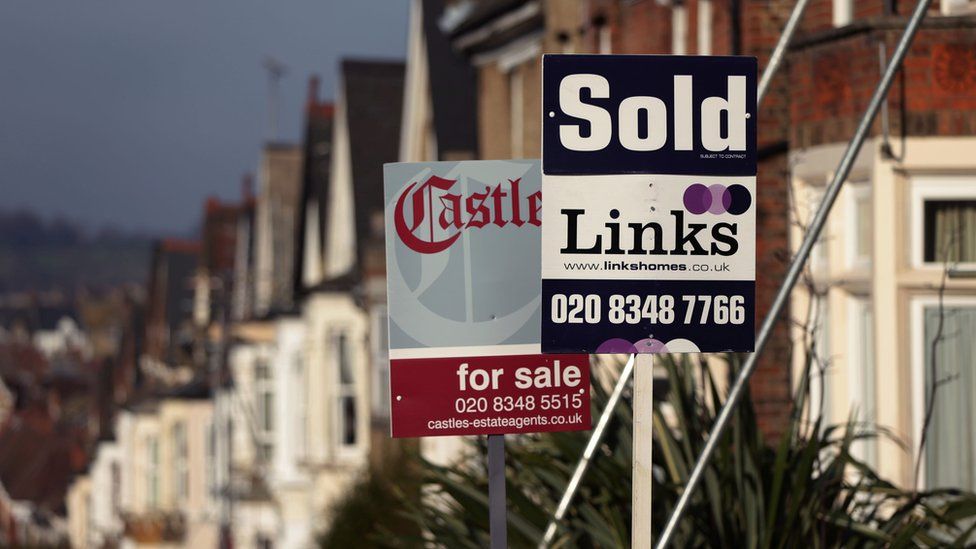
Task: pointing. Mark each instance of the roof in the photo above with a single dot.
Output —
(169, 300)
(198, 389)
(219, 235)
(38, 460)
(486, 25)
(373, 92)
(180, 268)
(453, 87)
(469, 14)
(179, 245)
(317, 158)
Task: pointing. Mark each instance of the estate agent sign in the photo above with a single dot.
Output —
(649, 179)
(462, 259)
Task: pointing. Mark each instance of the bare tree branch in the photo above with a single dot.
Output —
(933, 365)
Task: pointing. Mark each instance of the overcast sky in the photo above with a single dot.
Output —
(131, 112)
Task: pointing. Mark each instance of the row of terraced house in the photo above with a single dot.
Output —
(251, 389)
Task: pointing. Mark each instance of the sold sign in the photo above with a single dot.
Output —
(649, 179)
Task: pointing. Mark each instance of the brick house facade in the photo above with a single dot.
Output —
(817, 97)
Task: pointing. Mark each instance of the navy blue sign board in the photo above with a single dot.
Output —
(649, 185)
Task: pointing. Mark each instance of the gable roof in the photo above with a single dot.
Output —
(373, 92)
(487, 25)
(316, 163)
(452, 84)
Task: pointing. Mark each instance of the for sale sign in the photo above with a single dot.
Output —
(649, 178)
(463, 284)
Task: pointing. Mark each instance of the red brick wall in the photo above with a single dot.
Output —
(762, 22)
(645, 27)
(817, 97)
(833, 81)
(721, 27)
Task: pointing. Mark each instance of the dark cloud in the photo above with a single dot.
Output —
(130, 112)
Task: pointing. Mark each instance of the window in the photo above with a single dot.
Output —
(264, 395)
(115, 473)
(152, 472)
(943, 221)
(861, 373)
(843, 12)
(381, 362)
(949, 231)
(346, 406)
(181, 470)
(821, 388)
(950, 453)
(860, 221)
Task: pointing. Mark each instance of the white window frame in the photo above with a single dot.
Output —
(516, 111)
(380, 360)
(704, 27)
(957, 7)
(679, 29)
(935, 187)
(813, 196)
(605, 39)
(343, 390)
(856, 191)
(918, 305)
(865, 449)
(842, 12)
(820, 383)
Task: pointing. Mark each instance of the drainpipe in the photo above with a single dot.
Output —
(735, 18)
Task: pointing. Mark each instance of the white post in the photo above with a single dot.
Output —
(640, 537)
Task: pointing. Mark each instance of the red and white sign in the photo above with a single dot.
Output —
(463, 287)
(491, 395)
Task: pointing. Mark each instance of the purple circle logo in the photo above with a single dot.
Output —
(716, 199)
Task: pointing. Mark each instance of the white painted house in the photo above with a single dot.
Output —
(328, 387)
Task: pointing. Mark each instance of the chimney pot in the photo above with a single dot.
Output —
(247, 187)
(313, 90)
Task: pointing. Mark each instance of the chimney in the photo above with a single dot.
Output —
(247, 188)
(313, 91)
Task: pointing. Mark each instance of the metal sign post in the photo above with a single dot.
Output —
(809, 240)
(497, 508)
